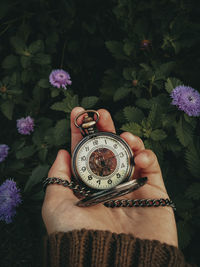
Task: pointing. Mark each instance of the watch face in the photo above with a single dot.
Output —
(102, 161)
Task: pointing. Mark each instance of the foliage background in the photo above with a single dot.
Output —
(100, 44)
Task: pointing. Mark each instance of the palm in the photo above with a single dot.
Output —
(149, 223)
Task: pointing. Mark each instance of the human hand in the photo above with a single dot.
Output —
(60, 213)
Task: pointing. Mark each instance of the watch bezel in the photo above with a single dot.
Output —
(88, 137)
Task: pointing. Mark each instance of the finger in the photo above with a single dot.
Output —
(60, 169)
(147, 165)
(105, 123)
(135, 143)
(75, 132)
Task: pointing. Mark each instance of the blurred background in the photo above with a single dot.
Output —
(123, 55)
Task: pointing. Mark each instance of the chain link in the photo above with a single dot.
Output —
(84, 192)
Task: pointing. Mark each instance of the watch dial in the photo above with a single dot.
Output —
(103, 161)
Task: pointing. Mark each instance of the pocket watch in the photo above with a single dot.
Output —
(102, 162)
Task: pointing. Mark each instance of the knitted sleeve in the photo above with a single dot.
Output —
(85, 248)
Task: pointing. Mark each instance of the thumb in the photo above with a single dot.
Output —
(61, 168)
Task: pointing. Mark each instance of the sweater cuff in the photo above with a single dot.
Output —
(103, 248)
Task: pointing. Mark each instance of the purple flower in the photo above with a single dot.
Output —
(3, 152)
(187, 99)
(25, 125)
(60, 78)
(10, 198)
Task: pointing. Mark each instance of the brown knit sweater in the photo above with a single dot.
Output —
(85, 248)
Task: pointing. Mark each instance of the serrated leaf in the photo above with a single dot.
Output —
(192, 157)
(128, 73)
(36, 176)
(133, 114)
(154, 117)
(67, 104)
(128, 48)
(184, 132)
(144, 103)
(171, 83)
(116, 48)
(193, 192)
(158, 135)
(59, 106)
(25, 152)
(7, 109)
(89, 102)
(37, 46)
(133, 128)
(61, 131)
(10, 62)
(18, 45)
(121, 93)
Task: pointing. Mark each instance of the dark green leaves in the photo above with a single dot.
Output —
(37, 175)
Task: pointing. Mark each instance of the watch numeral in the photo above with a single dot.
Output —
(95, 142)
(87, 148)
(83, 169)
(122, 166)
(118, 175)
(121, 154)
(105, 141)
(89, 177)
(109, 181)
(99, 182)
(83, 158)
(115, 146)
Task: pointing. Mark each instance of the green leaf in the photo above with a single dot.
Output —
(129, 74)
(67, 104)
(192, 157)
(44, 83)
(116, 48)
(128, 48)
(7, 109)
(171, 83)
(193, 192)
(49, 137)
(61, 131)
(121, 93)
(36, 176)
(10, 62)
(25, 152)
(42, 153)
(184, 132)
(158, 135)
(133, 114)
(25, 61)
(89, 102)
(18, 44)
(37, 46)
(144, 103)
(42, 59)
(55, 92)
(133, 128)
(154, 117)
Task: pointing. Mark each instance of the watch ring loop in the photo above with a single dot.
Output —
(83, 112)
